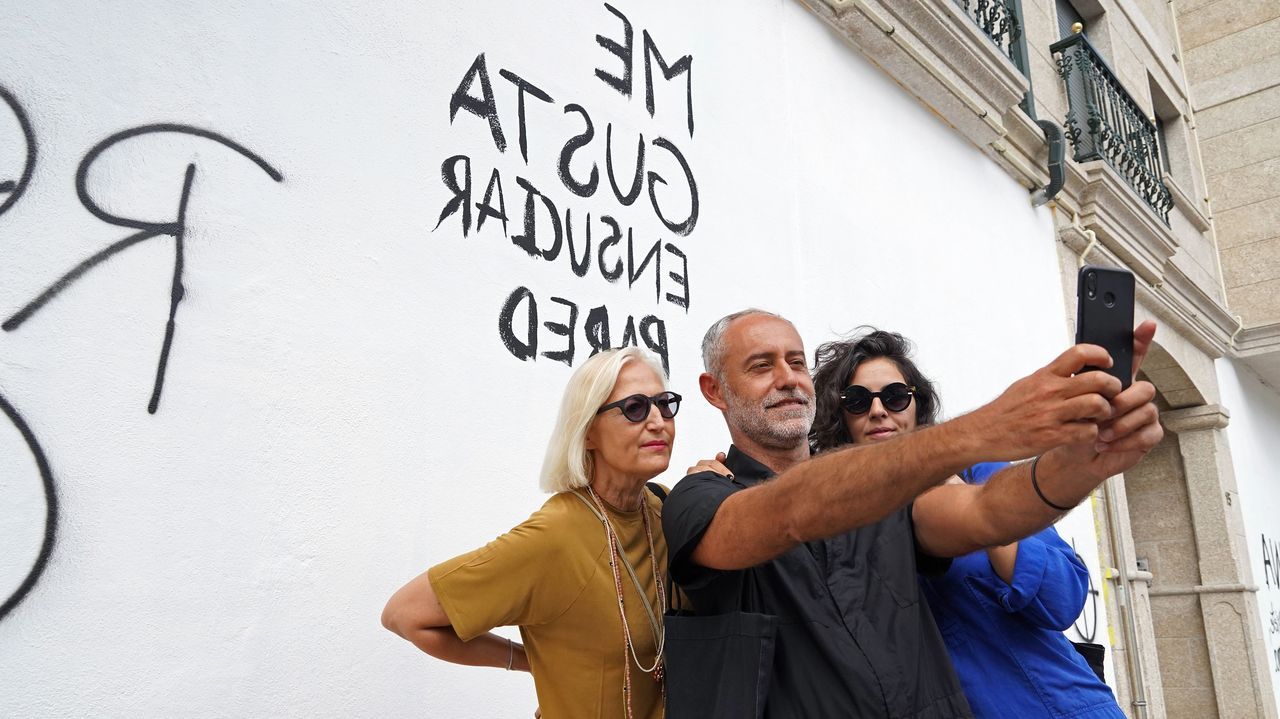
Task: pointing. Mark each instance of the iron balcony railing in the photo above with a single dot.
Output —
(1001, 21)
(1105, 122)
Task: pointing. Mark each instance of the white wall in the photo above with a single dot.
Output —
(1254, 427)
(339, 410)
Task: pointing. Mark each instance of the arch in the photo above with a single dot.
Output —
(1174, 385)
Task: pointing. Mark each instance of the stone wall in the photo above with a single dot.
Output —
(1232, 50)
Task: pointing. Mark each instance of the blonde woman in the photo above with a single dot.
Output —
(583, 577)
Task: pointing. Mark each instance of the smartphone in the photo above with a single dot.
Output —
(1104, 316)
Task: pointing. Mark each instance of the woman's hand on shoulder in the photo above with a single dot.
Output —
(711, 465)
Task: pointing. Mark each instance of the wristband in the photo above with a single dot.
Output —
(511, 648)
(1036, 486)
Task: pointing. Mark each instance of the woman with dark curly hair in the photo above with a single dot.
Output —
(1001, 610)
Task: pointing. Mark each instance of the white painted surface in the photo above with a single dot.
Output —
(338, 411)
(1255, 455)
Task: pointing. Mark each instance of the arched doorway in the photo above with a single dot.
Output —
(1187, 644)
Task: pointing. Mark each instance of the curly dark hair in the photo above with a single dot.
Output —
(834, 364)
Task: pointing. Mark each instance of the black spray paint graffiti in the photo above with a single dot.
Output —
(146, 230)
(546, 230)
(1087, 628)
(1271, 577)
(51, 510)
(10, 188)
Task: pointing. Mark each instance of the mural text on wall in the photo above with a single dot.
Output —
(649, 179)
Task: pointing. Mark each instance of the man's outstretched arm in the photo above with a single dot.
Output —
(856, 486)
(955, 520)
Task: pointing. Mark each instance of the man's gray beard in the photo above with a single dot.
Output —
(752, 420)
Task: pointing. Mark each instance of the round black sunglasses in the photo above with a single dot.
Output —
(636, 407)
(895, 397)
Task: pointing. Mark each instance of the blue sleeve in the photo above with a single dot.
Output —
(1050, 583)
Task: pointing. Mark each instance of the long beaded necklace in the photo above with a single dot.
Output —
(629, 654)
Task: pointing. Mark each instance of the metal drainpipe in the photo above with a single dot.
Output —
(1057, 163)
(1136, 677)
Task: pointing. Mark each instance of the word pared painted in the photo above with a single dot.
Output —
(598, 245)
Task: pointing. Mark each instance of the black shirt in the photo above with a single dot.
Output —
(854, 639)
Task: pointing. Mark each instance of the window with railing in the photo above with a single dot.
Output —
(1105, 122)
(1001, 21)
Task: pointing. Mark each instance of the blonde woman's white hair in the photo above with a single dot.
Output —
(567, 465)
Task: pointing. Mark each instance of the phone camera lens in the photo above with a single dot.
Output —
(1091, 285)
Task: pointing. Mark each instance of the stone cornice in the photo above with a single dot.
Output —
(937, 53)
(1191, 209)
(1195, 419)
(1123, 222)
(1259, 339)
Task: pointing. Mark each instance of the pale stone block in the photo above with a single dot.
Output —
(1242, 147)
(1231, 659)
(1252, 263)
(1235, 51)
(1161, 516)
(1190, 703)
(1197, 269)
(1245, 185)
(1159, 358)
(1216, 89)
(1258, 304)
(1189, 6)
(1179, 562)
(1199, 248)
(1222, 18)
(1168, 378)
(1049, 89)
(1175, 657)
(1250, 223)
(1183, 398)
(1177, 617)
(1040, 23)
(1234, 113)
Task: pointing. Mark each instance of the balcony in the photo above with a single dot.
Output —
(1105, 122)
(1001, 22)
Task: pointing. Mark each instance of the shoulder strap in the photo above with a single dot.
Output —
(657, 490)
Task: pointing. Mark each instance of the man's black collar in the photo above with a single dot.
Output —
(745, 468)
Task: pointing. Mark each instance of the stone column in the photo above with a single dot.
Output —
(1241, 676)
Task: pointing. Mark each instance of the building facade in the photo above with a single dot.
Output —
(1169, 113)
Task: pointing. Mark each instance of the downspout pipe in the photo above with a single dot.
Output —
(1057, 162)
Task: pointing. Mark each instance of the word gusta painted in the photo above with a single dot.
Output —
(475, 95)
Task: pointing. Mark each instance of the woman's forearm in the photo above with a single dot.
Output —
(1003, 560)
(486, 650)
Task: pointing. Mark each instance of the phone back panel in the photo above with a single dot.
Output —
(1104, 316)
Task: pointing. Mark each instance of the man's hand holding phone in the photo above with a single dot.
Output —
(1132, 430)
